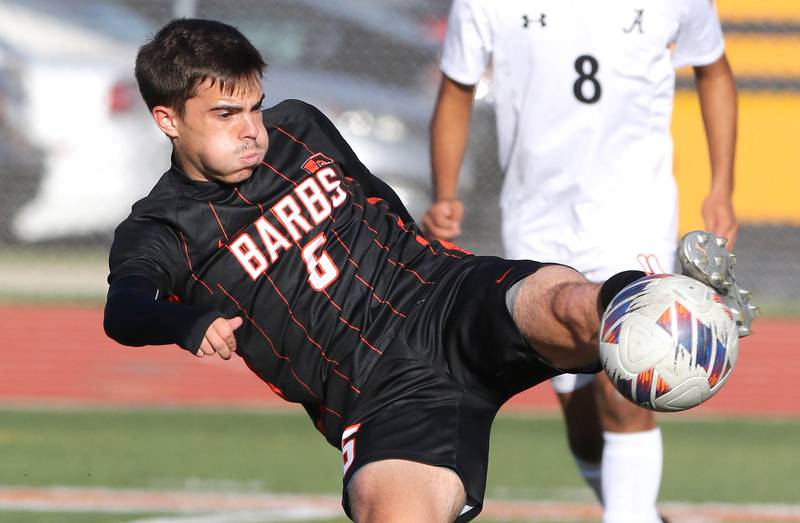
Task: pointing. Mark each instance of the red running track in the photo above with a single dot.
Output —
(53, 356)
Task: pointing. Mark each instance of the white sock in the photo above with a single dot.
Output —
(631, 476)
(591, 474)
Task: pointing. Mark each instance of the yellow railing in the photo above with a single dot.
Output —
(768, 152)
(759, 10)
(767, 164)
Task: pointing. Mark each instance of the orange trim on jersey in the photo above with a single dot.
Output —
(248, 202)
(299, 323)
(341, 242)
(336, 305)
(422, 241)
(328, 409)
(268, 340)
(211, 206)
(380, 300)
(189, 263)
(276, 171)
(453, 247)
(353, 327)
(301, 142)
(410, 270)
(274, 388)
(363, 339)
(238, 192)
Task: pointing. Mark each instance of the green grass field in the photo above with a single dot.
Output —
(734, 461)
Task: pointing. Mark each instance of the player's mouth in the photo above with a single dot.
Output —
(252, 158)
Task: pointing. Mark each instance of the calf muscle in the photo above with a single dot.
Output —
(556, 310)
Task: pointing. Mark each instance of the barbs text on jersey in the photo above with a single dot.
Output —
(312, 200)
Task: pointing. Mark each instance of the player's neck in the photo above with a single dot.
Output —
(187, 168)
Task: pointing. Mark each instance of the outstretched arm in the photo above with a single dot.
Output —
(449, 132)
(135, 316)
(718, 101)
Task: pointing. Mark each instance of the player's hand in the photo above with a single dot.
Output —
(720, 219)
(443, 219)
(219, 338)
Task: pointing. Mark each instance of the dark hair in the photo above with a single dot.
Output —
(185, 53)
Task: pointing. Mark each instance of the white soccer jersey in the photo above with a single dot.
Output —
(583, 95)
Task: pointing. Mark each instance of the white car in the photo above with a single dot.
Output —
(361, 65)
(81, 108)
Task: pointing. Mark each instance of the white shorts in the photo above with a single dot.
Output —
(663, 262)
(565, 383)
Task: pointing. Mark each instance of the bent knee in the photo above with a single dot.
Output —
(556, 310)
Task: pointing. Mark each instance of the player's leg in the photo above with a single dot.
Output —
(558, 312)
(405, 491)
(576, 396)
(555, 307)
(632, 458)
(416, 447)
(618, 414)
(632, 449)
(616, 446)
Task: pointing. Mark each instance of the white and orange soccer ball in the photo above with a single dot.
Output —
(668, 342)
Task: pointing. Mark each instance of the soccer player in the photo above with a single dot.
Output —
(268, 239)
(583, 97)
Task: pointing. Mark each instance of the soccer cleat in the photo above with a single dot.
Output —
(703, 256)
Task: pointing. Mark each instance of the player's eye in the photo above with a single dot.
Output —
(224, 116)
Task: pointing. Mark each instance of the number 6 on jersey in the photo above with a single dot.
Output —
(321, 270)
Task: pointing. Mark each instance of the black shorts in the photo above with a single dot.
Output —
(434, 393)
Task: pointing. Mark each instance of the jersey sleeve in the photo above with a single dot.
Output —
(145, 246)
(146, 267)
(699, 40)
(468, 44)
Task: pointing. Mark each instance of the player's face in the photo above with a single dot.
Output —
(221, 136)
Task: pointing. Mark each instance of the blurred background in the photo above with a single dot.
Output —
(77, 148)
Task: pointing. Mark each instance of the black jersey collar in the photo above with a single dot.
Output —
(204, 188)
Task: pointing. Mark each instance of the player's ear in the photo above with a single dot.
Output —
(165, 118)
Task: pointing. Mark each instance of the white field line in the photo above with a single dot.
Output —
(231, 507)
(255, 516)
(72, 499)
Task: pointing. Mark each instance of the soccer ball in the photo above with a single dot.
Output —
(668, 343)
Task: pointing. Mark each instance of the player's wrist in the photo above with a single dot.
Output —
(721, 187)
(720, 197)
(447, 198)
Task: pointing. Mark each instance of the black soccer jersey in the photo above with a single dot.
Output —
(318, 257)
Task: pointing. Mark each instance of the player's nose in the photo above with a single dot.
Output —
(251, 126)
